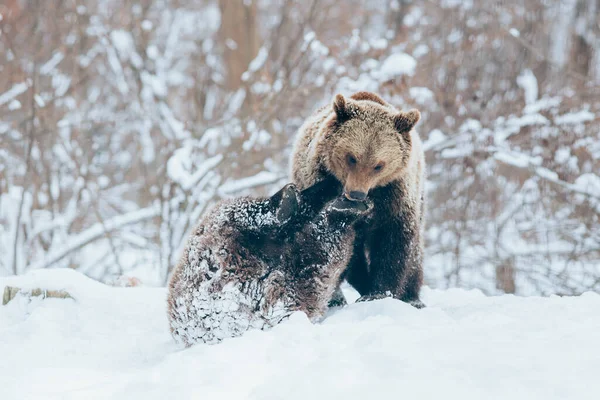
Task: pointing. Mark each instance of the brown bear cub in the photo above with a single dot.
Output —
(372, 150)
(250, 263)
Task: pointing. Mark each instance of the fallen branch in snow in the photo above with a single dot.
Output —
(10, 292)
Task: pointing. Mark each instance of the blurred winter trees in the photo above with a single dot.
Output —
(121, 121)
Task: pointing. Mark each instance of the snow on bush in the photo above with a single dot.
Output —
(396, 65)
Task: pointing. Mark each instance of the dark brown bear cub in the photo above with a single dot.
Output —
(250, 263)
(372, 149)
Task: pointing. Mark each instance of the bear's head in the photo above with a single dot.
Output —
(367, 143)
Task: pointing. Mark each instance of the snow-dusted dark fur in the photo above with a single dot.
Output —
(250, 263)
(371, 148)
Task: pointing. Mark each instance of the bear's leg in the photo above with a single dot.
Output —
(412, 288)
(396, 264)
(338, 299)
(326, 247)
(357, 273)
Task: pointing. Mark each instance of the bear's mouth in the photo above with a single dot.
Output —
(353, 195)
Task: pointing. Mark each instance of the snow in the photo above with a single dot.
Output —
(562, 155)
(180, 162)
(113, 342)
(158, 85)
(123, 41)
(420, 50)
(589, 183)
(422, 95)
(147, 25)
(365, 81)
(378, 43)
(454, 3)
(234, 186)
(542, 104)
(560, 33)
(396, 65)
(175, 126)
(436, 137)
(257, 63)
(546, 174)
(516, 159)
(49, 66)
(93, 233)
(13, 92)
(14, 105)
(575, 118)
(528, 82)
(39, 100)
(527, 120)
(457, 153)
(235, 102)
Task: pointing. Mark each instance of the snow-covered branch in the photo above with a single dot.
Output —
(95, 232)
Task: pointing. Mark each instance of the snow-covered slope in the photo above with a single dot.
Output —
(113, 343)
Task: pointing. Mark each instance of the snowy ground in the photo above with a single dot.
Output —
(113, 343)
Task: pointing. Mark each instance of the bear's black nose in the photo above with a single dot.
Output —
(358, 196)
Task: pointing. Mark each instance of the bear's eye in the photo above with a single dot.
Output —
(351, 159)
(378, 167)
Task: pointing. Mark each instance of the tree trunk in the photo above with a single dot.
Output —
(239, 36)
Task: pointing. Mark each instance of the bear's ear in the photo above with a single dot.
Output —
(405, 121)
(341, 108)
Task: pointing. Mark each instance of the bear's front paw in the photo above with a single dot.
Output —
(417, 304)
(337, 300)
(343, 206)
(377, 296)
(288, 205)
(374, 296)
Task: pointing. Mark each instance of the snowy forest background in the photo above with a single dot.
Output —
(122, 121)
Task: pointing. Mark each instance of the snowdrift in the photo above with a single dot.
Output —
(114, 343)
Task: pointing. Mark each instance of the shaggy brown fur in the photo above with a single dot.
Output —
(252, 262)
(372, 148)
(369, 96)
